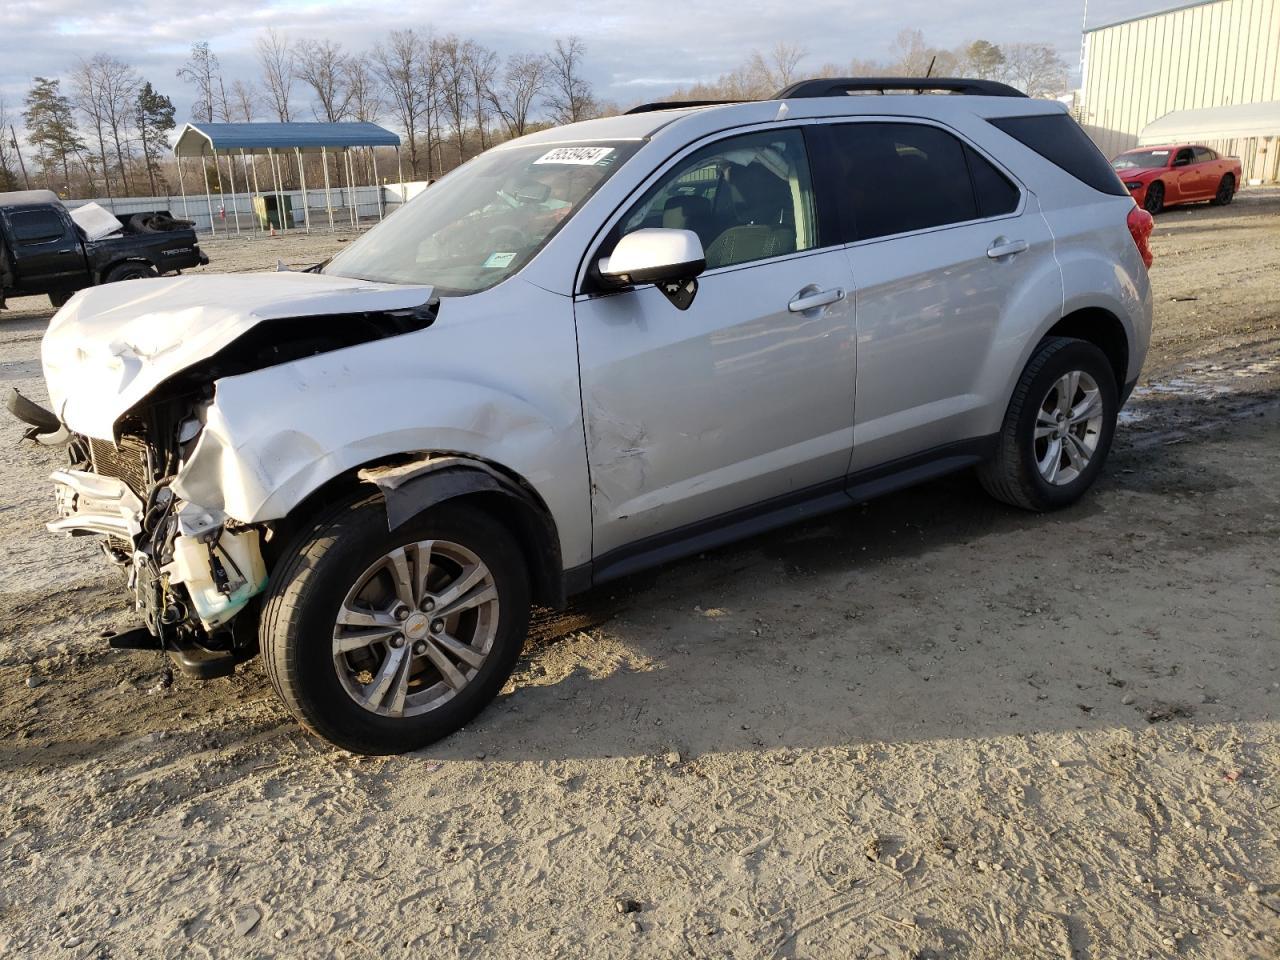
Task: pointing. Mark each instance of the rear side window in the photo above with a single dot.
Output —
(996, 195)
(1061, 141)
(1204, 155)
(36, 226)
(897, 177)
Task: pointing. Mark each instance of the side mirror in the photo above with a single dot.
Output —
(1182, 162)
(671, 259)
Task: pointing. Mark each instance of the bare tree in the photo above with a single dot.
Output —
(569, 95)
(244, 101)
(275, 56)
(1034, 68)
(9, 159)
(455, 89)
(202, 71)
(104, 91)
(398, 64)
(322, 65)
(482, 67)
(86, 97)
(776, 69)
(523, 83)
(366, 97)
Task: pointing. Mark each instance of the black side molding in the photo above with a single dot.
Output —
(779, 512)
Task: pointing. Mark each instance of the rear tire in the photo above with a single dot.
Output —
(317, 586)
(129, 271)
(1226, 191)
(1045, 460)
(1153, 202)
(59, 299)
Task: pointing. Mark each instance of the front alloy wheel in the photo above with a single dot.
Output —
(415, 628)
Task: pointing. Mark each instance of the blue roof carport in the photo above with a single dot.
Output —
(276, 141)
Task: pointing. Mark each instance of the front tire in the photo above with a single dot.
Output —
(383, 642)
(1058, 427)
(1153, 202)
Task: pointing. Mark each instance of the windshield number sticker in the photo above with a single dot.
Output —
(499, 260)
(578, 156)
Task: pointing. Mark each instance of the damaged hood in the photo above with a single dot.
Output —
(112, 345)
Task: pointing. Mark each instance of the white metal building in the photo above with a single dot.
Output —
(1179, 65)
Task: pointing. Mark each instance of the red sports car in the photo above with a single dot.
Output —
(1160, 177)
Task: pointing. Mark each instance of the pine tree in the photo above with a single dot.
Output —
(51, 129)
(154, 117)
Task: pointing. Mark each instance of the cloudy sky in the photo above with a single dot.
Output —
(634, 49)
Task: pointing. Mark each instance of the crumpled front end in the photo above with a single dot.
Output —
(190, 569)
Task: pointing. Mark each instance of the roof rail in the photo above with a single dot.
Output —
(679, 104)
(840, 86)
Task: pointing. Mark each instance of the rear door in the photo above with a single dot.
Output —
(747, 395)
(45, 249)
(952, 263)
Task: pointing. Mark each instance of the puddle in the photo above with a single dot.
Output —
(1197, 382)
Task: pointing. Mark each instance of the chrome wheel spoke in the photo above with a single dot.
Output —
(469, 590)
(349, 616)
(402, 576)
(1045, 423)
(1067, 391)
(451, 674)
(1088, 408)
(1052, 461)
(1076, 454)
(421, 569)
(460, 651)
(347, 641)
(392, 677)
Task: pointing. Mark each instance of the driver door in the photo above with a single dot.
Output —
(746, 397)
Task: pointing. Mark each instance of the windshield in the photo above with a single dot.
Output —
(483, 222)
(1141, 160)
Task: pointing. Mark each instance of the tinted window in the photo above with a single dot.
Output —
(1204, 155)
(1059, 139)
(896, 177)
(996, 195)
(747, 198)
(1183, 158)
(35, 226)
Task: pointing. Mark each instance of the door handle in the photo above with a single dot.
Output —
(1000, 247)
(811, 301)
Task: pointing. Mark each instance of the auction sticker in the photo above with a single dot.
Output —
(579, 156)
(499, 260)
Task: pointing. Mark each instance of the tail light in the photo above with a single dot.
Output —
(1141, 224)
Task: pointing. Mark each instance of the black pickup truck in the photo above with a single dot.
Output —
(44, 251)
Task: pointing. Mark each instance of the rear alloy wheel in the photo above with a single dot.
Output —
(1153, 203)
(383, 642)
(1058, 427)
(1226, 191)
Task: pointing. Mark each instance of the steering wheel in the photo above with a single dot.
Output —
(499, 235)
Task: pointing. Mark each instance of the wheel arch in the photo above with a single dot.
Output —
(412, 483)
(1104, 330)
(100, 276)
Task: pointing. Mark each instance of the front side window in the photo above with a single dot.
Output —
(36, 226)
(485, 221)
(899, 177)
(747, 198)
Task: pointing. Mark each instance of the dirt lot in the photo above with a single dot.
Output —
(929, 727)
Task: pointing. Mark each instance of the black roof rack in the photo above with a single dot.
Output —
(679, 104)
(840, 86)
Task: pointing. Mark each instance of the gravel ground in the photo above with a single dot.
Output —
(928, 727)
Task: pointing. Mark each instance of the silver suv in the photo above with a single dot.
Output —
(588, 351)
